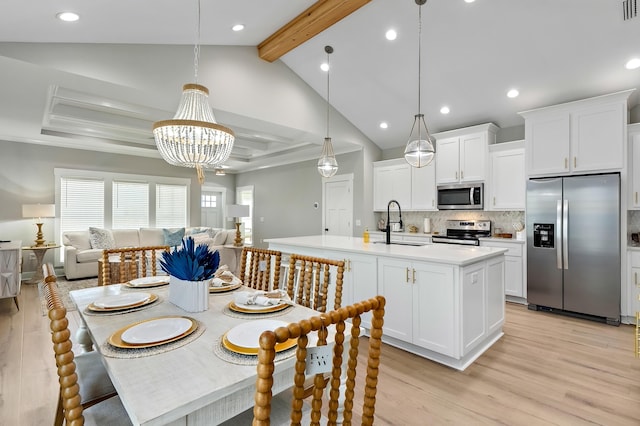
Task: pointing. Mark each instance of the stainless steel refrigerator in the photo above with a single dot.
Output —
(573, 245)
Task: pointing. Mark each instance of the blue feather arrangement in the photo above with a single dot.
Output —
(191, 262)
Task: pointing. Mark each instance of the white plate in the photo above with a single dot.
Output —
(121, 300)
(156, 330)
(149, 280)
(259, 307)
(246, 335)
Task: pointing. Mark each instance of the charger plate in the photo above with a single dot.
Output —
(225, 288)
(145, 282)
(150, 298)
(257, 309)
(243, 339)
(185, 327)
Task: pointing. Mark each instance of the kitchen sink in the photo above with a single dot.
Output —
(403, 243)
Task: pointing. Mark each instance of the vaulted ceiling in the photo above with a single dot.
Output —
(472, 54)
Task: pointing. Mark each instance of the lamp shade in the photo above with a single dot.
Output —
(38, 210)
(238, 210)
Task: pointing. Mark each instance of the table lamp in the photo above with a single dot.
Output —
(37, 212)
(238, 211)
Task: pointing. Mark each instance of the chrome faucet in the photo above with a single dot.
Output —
(388, 229)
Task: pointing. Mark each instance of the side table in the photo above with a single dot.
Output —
(39, 251)
(238, 252)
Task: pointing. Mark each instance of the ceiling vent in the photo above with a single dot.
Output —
(629, 9)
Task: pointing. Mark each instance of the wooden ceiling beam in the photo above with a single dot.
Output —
(317, 18)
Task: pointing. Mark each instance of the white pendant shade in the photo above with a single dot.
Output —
(193, 138)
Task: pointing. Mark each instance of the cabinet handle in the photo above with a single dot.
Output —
(433, 202)
(575, 162)
(414, 276)
(635, 278)
(456, 175)
(636, 197)
(461, 174)
(494, 201)
(566, 163)
(406, 279)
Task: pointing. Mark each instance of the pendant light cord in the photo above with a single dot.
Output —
(196, 48)
(329, 50)
(419, 54)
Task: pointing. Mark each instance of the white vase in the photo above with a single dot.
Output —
(192, 296)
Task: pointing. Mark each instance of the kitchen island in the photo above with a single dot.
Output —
(444, 302)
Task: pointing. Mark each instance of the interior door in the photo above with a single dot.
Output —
(338, 206)
(211, 208)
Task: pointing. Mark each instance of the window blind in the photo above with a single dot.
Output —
(171, 206)
(130, 207)
(81, 204)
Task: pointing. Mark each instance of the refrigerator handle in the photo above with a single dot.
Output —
(558, 234)
(565, 234)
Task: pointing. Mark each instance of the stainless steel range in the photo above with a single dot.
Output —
(466, 232)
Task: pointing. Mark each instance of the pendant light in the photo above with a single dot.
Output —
(193, 138)
(420, 149)
(327, 164)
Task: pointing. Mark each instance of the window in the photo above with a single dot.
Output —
(209, 200)
(171, 206)
(244, 195)
(130, 205)
(81, 204)
(119, 201)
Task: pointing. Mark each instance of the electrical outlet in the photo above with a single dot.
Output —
(319, 359)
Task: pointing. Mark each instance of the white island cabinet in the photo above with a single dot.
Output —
(444, 302)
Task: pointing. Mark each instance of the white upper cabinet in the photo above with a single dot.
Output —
(414, 188)
(423, 187)
(461, 154)
(634, 165)
(577, 137)
(507, 182)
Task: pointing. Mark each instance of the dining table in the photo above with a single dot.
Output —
(190, 381)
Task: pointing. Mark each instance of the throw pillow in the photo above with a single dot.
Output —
(173, 238)
(201, 238)
(101, 238)
(220, 238)
(194, 231)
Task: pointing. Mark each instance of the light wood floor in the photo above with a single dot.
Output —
(546, 370)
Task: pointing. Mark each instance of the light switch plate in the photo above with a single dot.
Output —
(319, 359)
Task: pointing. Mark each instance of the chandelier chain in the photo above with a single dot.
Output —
(196, 47)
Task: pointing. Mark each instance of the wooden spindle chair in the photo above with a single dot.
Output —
(262, 411)
(132, 262)
(308, 281)
(85, 387)
(257, 266)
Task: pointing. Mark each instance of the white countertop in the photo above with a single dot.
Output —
(437, 253)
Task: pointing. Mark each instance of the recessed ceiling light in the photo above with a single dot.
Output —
(469, 1)
(238, 27)
(391, 35)
(445, 110)
(324, 66)
(68, 16)
(513, 93)
(384, 125)
(633, 64)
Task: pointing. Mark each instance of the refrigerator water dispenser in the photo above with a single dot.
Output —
(543, 235)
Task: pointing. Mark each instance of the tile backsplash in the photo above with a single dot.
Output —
(499, 220)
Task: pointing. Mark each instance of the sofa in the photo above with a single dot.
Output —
(81, 253)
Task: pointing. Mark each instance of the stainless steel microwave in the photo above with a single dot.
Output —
(462, 196)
